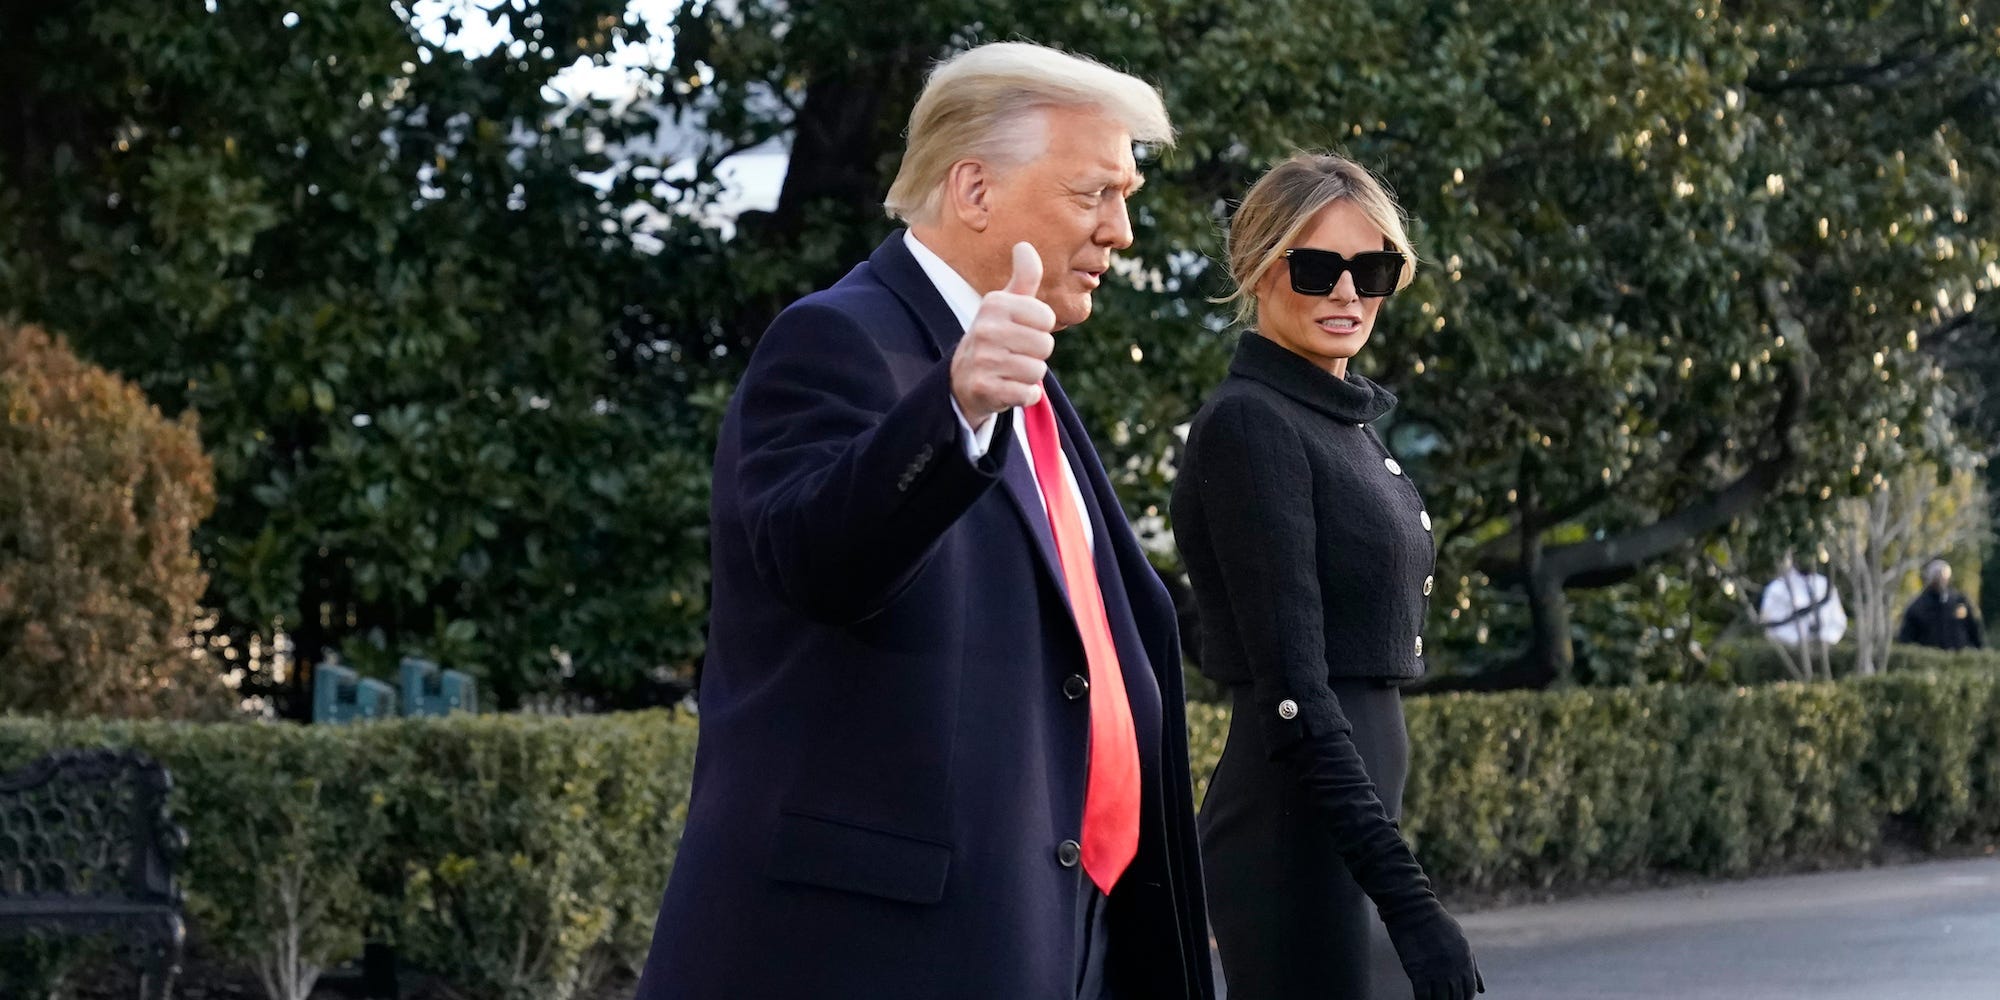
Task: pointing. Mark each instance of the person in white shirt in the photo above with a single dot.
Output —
(1800, 607)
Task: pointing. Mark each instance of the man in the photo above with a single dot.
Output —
(943, 748)
(1800, 608)
(1940, 617)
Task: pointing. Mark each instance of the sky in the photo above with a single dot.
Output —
(752, 179)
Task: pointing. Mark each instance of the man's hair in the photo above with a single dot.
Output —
(987, 103)
(1934, 569)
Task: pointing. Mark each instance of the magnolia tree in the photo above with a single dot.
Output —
(1681, 265)
(1680, 260)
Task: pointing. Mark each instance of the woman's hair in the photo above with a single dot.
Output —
(1283, 202)
(985, 104)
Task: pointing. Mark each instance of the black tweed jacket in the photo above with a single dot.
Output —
(1309, 550)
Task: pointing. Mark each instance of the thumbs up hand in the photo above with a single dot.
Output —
(1000, 361)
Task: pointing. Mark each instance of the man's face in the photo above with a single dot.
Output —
(1069, 203)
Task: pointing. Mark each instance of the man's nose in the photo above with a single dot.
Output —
(1115, 229)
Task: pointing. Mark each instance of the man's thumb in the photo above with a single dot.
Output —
(1027, 270)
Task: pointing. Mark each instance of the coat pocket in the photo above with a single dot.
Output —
(832, 854)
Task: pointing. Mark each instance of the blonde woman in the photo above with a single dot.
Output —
(1311, 557)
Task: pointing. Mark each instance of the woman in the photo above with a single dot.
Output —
(1310, 554)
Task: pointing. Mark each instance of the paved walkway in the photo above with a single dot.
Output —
(1916, 932)
(1919, 932)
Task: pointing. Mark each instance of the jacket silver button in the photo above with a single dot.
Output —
(1288, 709)
(1076, 686)
(1427, 586)
(1425, 517)
(1394, 467)
(1068, 853)
(1420, 645)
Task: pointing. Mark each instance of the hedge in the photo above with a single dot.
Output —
(515, 857)
(1756, 661)
(520, 857)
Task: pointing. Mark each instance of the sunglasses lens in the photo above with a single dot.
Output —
(1375, 274)
(1314, 272)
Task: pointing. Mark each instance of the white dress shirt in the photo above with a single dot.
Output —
(1797, 606)
(964, 302)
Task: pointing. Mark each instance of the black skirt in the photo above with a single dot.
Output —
(1290, 923)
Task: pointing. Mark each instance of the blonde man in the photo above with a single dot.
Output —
(943, 752)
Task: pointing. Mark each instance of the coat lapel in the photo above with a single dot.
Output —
(1021, 489)
(899, 270)
(1118, 555)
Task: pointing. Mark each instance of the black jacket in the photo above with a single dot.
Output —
(1311, 557)
(1309, 551)
(893, 744)
(1941, 621)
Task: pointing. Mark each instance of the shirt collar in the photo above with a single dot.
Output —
(951, 286)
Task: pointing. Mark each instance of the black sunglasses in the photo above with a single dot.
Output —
(1315, 272)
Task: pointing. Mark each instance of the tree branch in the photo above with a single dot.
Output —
(1605, 561)
(1885, 73)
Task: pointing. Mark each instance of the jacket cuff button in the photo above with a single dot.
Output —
(1288, 709)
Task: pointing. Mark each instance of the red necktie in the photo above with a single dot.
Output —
(1111, 787)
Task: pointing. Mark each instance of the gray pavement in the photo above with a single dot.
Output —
(1917, 932)
(1914, 932)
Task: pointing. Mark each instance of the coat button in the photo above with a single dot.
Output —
(1394, 467)
(1068, 853)
(1076, 687)
(1288, 709)
(1420, 645)
(1427, 586)
(1425, 517)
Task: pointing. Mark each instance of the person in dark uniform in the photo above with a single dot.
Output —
(1310, 555)
(1940, 617)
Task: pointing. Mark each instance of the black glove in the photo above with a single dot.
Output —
(1436, 955)
(1429, 942)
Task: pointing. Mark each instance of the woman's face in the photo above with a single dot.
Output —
(1324, 329)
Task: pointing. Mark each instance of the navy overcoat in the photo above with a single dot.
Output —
(893, 734)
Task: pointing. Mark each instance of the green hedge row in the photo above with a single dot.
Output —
(1755, 661)
(515, 857)
(1537, 788)
(524, 857)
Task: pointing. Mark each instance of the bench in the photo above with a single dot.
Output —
(86, 848)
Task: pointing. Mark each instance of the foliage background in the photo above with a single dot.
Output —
(458, 337)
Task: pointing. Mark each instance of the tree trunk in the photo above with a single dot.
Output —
(840, 164)
(1551, 656)
(1543, 574)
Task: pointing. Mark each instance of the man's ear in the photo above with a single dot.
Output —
(968, 194)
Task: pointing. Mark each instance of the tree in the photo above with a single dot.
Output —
(1681, 259)
(427, 357)
(1680, 262)
(99, 582)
